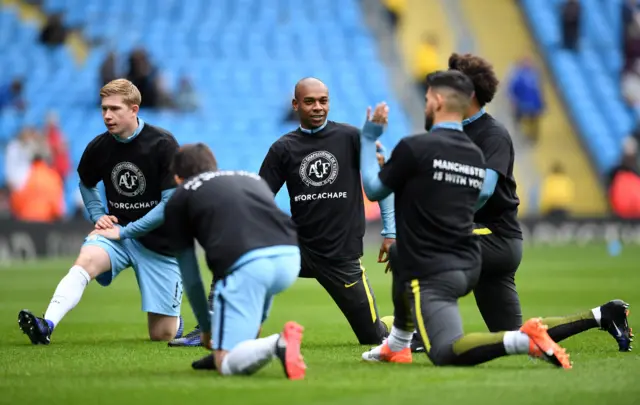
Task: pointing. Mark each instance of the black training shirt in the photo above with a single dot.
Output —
(436, 178)
(322, 174)
(229, 213)
(134, 173)
(500, 212)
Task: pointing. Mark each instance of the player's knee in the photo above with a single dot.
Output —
(94, 260)
(442, 356)
(161, 335)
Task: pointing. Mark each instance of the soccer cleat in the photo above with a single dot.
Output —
(384, 354)
(288, 351)
(37, 329)
(208, 362)
(191, 339)
(180, 330)
(417, 345)
(542, 346)
(613, 319)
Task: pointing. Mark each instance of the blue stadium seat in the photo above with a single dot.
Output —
(243, 56)
(588, 79)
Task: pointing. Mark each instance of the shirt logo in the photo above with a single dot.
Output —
(128, 179)
(319, 168)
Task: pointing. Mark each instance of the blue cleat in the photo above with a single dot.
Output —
(613, 319)
(180, 330)
(191, 339)
(37, 329)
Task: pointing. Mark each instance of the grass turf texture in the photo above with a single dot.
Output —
(99, 354)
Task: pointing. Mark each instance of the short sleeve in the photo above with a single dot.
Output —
(176, 219)
(497, 152)
(167, 150)
(399, 167)
(272, 170)
(88, 169)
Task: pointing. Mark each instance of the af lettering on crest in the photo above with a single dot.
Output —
(128, 179)
(319, 168)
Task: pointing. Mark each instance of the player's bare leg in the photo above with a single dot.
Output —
(163, 327)
(91, 262)
(251, 355)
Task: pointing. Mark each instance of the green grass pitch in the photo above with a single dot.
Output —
(99, 354)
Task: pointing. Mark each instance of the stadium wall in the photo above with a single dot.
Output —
(20, 241)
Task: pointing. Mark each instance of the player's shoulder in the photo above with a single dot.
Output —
(344, 127)
(99, 141)
(494, 130)
(159, 134)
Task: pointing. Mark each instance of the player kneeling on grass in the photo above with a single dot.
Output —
(251, 247)
(436, 179)
(133, 160)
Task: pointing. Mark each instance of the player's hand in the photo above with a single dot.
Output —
(380, 153)
(106, 222)
(112, 233)
(383, 256)
(380, 114)
(205, 338)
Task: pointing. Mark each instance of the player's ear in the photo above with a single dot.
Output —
(294, 104)
(178, 179)
(135, 108)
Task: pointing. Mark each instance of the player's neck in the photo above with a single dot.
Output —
(313, 130)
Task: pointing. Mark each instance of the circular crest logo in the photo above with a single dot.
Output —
(128, 179)
(319, 168)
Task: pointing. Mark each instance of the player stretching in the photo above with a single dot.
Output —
(497, 225)
(437, 179)
(250, 246)
(319, 163)
(133, 161)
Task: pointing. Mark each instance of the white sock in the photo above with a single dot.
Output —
(516, 342)
(67, 294)
(597, 315)
(250, 356)
(399, 339)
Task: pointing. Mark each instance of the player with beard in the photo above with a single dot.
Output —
(436, 179)
(497, 225)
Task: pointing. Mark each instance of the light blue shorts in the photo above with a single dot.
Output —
(158, 276)
(242, 299)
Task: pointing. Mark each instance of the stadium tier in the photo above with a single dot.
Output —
(588, 79)
(243, 57)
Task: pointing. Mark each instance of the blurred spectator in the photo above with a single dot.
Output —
(41, 199)
(395, 10)
(427, 59)
(624, 189)
(630, 87)
(145, 77)
(20, 152)
(186, 97)
(108, 71)
(11, 95)
(60, 159)
(557, 194)
(571, 16)
(525, 94)
(54, 32)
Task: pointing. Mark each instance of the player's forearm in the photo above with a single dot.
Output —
(93, 202)
(387, 212)
(152, 220)
(369, 166)
(194, 288)
(488, 187)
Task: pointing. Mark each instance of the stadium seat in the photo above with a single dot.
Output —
(589, 78)
(243, 56)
